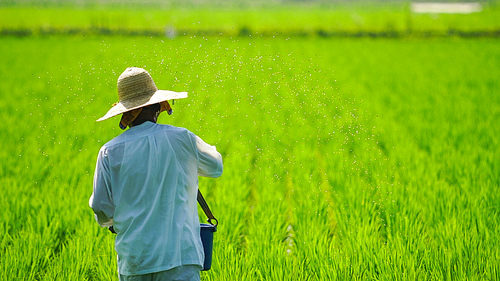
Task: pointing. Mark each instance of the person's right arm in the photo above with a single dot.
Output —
(209, 159)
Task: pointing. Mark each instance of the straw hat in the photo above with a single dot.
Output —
(137, 89)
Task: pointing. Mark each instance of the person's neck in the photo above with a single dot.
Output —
(139, 122)
(149, 113)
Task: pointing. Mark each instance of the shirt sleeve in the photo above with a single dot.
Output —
(209, 159)
(101, 200)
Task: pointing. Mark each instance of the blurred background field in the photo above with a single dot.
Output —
(269, 18)
(354, 158)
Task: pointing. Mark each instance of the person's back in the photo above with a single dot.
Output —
(145, 187)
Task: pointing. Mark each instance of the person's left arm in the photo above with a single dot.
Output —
(101, 200)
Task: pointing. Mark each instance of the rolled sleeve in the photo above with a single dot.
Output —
(101, 200)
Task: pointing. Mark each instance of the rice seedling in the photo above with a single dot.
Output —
(344, 159)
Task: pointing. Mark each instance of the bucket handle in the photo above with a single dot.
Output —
(206, 209)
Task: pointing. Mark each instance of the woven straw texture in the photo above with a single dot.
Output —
(136, 89)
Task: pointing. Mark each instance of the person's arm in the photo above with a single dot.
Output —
(209, 159)
(101, 200)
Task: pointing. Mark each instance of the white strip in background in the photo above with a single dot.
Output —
(446, 8)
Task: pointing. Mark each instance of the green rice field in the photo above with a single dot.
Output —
(344, 158)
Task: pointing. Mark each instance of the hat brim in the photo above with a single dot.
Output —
(157, 97)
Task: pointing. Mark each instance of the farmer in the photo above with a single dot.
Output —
(146, 184)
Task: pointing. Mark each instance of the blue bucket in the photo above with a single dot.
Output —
(207, 238)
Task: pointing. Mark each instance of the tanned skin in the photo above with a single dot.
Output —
(148, 113)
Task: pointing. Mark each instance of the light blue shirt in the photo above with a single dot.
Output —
(145, 186)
